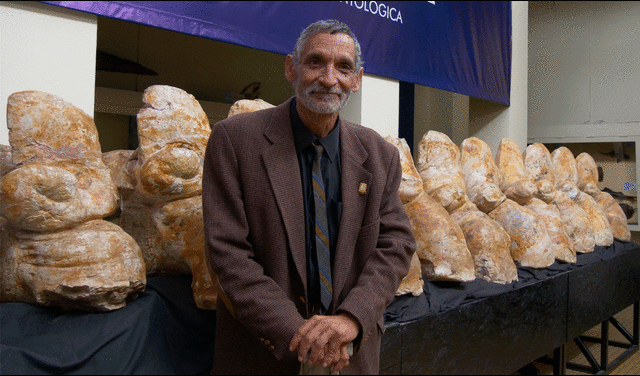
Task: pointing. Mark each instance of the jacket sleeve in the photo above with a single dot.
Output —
(387, 263)
(253, 298)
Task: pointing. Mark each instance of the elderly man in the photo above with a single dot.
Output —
(304, 227)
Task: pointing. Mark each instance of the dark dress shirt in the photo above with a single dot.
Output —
(331, 171)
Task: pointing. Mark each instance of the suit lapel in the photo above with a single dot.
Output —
(353, 155)
(281, 163)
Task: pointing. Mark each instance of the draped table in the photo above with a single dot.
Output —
(462, 328)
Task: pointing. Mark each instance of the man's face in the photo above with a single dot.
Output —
(325, 76)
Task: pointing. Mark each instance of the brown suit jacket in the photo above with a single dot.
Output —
(255, 240)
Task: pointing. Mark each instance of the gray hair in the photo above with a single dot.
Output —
(329, 27)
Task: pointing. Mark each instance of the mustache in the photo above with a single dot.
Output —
(319, 89)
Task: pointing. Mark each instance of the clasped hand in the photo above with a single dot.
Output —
(324, 340)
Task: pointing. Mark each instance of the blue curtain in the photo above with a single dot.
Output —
(459, 46)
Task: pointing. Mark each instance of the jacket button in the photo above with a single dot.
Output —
(266, 342)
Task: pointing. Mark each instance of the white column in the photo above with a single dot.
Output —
(441, 111)
(459, 118)
(509, 122)
(432, 112)
(518, 109)
(376, 105)
(46, 48)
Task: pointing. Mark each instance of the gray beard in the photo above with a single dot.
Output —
(321, 107)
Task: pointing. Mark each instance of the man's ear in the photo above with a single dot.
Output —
(289, 68)
(358, 83)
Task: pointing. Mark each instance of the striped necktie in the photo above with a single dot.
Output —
(322, 231)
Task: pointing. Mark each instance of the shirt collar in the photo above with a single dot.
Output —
(303, 137)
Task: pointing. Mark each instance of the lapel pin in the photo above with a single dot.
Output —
(362, 189)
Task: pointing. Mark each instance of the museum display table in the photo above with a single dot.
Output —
(454, 328)
(483, 328)
(161, 332)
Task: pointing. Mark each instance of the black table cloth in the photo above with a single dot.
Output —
(163, 332)
(442, 296)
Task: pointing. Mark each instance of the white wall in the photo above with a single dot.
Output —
(380, 104)
(584, 80)
(46, 48)
(376, 105)
(584, 70)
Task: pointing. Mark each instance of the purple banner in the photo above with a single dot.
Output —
(459, 46)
